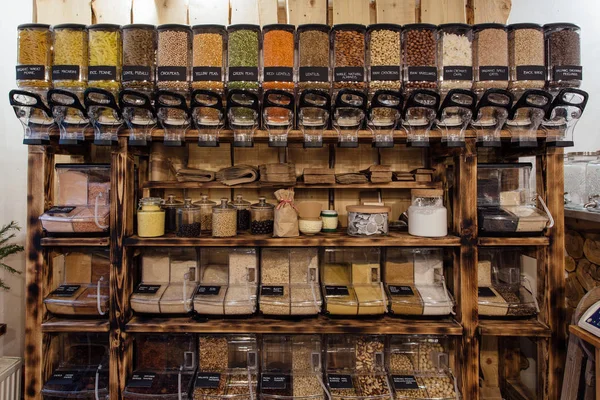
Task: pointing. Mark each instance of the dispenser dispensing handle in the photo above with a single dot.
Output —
(135, 99)
(550, 218)
(92, 96)
(98, 294)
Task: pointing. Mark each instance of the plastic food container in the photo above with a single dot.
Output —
(313, 57)
(173, 57)
(34, 56)
(224, 220)
(105, 57)
(290, 282)
(206, 207)
(526, 57)
(278, 57)
(76, 219)
(243, 51)
(352, 282)
(490, 57)
(165, 367)
(170, 206)
(427, 216)
(419, 53)
(84, 288)
(139, 57)
(368, 220)
(330, 220)
(242, 209)
(69, 56)
(348, 47)
(188, 220)
(455, 56)
(563, 56)
(262, 217)
(150, 217)
(209, 55)
(228, 281)
(383, 57)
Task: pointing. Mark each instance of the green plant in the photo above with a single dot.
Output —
(7, 249)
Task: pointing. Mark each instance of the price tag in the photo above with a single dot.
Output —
(208, 380)
(274, 381)
(142, 380)
(401, 290)
(405, 382)
(66, 290)
(64, 378)
(340, 381)
(271, 291)
(208, 290)
(147, 289)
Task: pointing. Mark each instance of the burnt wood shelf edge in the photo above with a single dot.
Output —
(75, 242)
(56, 325)
(517, 328)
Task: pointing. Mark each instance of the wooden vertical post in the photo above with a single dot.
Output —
(208, 12)
(244, 12)
(351, 11)
(396, 11)
(443, 11)
(306, 12)
(112, 11)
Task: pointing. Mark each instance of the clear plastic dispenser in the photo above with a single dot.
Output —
(348, 116)
(419, 368)
(165, 367)
(174, 116)
(69, 114)
(81, 371)
(139, 116)
(228, 368)
(208, 115)
(455, 115)
(526, 116)
(313, 116)
(104, 114)
(581, 169)
(490, 115)
(243, 114)
(278, 116)
(506, 204)
(419, 115)
(384, 116)
(562, 117)
(34, 115)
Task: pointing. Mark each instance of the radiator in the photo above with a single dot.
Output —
(10, 378)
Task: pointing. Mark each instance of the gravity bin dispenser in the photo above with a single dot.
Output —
(454, 116)
(384, 116)
(243, 113)
(348, 116)
(104, 114)
(490, 115)
(313, 116)
(34, 115)
(419, 115)
(69, 114)
(208, 115)
(562, 117)
(139, 116)
(278, 116)
(174, 116)
(526, 117)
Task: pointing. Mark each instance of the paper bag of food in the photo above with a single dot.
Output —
(286, 215)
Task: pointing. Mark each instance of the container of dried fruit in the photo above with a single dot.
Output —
(81, 368)
(455, 56)
(490, 57)
(170, 206)
(34, 56)
(206, 207)
(69, 56)
(224, 220)
(368, 220)
(164, 369)
(278, 53)
(347, 43)
(243, 61)
(105, 57)
(209, 57)
(242, 208)
(313, 57)
(84, 287)
(563, 56)
(526, 57)
(139, 57)
(383, 57)
(188, 219)
(173, 57)
(419, 57)
(262, 216)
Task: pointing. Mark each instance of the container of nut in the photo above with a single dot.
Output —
(348, 45)
(419, 56)
(383, 57)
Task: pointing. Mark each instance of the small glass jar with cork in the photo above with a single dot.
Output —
(188, 220)
(262, 216)
(224, 220)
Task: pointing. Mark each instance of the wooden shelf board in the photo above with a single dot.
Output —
(520, 327)
(75, 242)
(514, 241)
(399, 239)
(321, 324)
(585, 335)
(56, 324)
(299, 185)
(582, 215)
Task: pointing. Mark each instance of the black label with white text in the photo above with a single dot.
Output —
(64, 378)
(349, 74)
(147, 289)
(208, 380)
(427, 74)
(340, 381)
(136, 73)
(337, 290)
(271, 291)
(102, 73)
(485, 292)
(274, 381)
(203, 74)
(405, 382)
(458, 73)
(385, 73)
(65, 72)
(243, 74)
(401, 290)
(314, 74)
(208, 290)
(568, 72)
(172, 74)
(66, 290)
(279, 74)
(142, 380)
(25, 72)
(493, 73)
(531, 73)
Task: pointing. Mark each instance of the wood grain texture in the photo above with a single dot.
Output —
(514, 241)
(396, 11)
(157, 12)
(208, 12)
(57, 325)
(75, 242)
(244, 12)
(491, 11)
(267, 12)
(516, 328)
(351, 11)
(306, 12)
(63, 11)
(443, 11)
(112, 11)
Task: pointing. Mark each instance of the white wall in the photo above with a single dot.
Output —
(585, 14)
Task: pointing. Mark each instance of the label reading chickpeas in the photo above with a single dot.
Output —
(208, 380)
(427, 74)
(340, 381)
(65, 72)
(271, 291)
(102, 73)
(314, 74)
(136, 73)
(568, 72)
(401, 290)
(172, 74)
(25, 72)
(203, 74)
(405, 382)
(458, 73)
(279, 74)
(243, 74)
(349, 74)
(531, 73)
(493, 73)
(385, 73)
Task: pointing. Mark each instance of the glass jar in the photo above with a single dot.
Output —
(150, 217)
(347, 42)
(188, 220)
(278, 57)
(419, 56)
(455, 56)
(34, 56)
(206, 208)
(368, 220)
(563, 55)
(592, 181)
(242, 208)
(427, 216)
(243, 49)
(139, 56)
(170, 206)
(313, 57)
(490, 57)
(330, 220)
(209, 55)
(262, 216)
(576, 174)
(105, 57)
(526, 57)
(224, 220)
(173, 57)
(383, 57)
(69, 56)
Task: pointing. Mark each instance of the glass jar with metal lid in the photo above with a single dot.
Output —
(69, 56)
(206, 207)
(576, 178)
(150, 217)
(262, 217)
(188, 219)
(34, 56)
(242, 208)
(224, 220)
(170, 206)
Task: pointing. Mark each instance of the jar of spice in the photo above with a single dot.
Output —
(139, 53)
(427, 216)
(419, 54)
(383, 57)
(209, 52)
(173, 57)
(490, 57)
(34, 56)
(313, 57)
(262, 215)
(243, 49)
(69, 56)
(170, 206)
(348, 45)
(242, 208)
(105, 57)
(330, 220)
(206, 208)
(455, 52)
(150, 217)
(188, 219)
(526, 57)
(278, 56)
(563, 56)
(224, 220)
